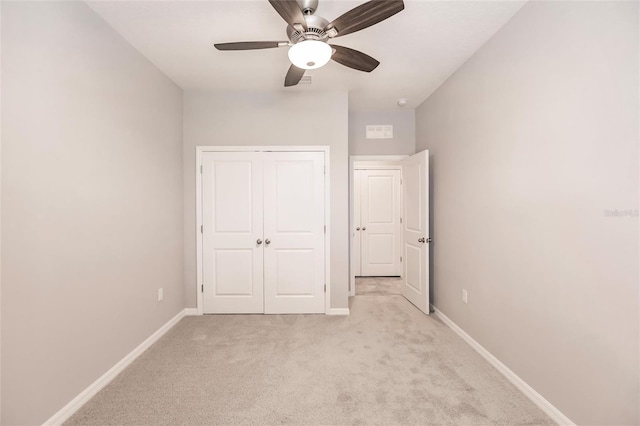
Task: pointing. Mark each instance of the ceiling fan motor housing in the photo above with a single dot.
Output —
(315, 30)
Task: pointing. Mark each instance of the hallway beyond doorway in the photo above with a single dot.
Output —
(378, 286)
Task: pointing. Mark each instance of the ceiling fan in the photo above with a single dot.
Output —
(309, 35)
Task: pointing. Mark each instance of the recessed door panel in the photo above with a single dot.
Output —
(294, 196)
(380, 193)
(380, 220)
(292, 273)
(231, 225)
(381, 251)
(413, 272)
(233, 182)
(412, 173)
(416, 239)
(294, 228)
(233, 273)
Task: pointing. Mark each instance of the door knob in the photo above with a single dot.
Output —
(421, 240)
(358, 228)
(364, 228)
(259, 241)
(267, 241)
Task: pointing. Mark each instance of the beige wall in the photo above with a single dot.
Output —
(277, 118)
(404, 132)
(92, 203)
(531, 141)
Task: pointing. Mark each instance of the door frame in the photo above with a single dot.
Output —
(327, 210)
(372, 162)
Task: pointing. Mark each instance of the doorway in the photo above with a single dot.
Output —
(377, 219)
(408, 229)
(379, 175)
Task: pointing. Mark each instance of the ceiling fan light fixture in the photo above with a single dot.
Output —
(310, 54)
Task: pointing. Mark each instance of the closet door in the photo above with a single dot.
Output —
(380, 220)
(232, 232)
(294, 232)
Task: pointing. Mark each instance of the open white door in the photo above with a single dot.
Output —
(415, 229)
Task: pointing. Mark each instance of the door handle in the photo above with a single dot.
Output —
(358, 228)
(267, 241)
(364, 228)
(421, 240)
(259, 241)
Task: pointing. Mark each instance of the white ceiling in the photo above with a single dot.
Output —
(418, 48)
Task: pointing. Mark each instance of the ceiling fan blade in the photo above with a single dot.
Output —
(294, 75)
(290, 12)
(354, 59)
(249, 45)
(365, 15)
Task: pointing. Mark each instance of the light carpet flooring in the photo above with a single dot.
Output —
(386, 364)
(378, 286)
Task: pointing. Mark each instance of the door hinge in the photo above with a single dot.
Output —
(325, 287)
(400, 181)
(400, 220)
(400, 258)
(200, 168)
(324, 170)
(325, 229)
(202, 288)
(201, 229)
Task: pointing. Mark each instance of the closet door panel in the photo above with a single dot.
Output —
(294, 228)
(232, 224)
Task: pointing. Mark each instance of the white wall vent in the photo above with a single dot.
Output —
(380, 131)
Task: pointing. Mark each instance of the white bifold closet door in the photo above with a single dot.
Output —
(294, 225)
(232, 223)
(263, 232)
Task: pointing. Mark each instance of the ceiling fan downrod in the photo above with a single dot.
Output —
(308, 7)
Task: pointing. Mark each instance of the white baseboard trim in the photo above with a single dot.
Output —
(338, 311)
(189, 312)
(555, 414)
(68, 410)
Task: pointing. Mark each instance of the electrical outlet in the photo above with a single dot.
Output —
(464, 295)
(160, 294)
